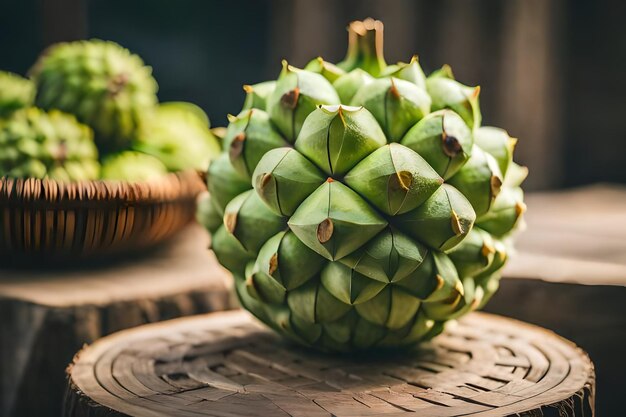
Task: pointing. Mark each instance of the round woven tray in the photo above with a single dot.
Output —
(49, 220)
(227, 364)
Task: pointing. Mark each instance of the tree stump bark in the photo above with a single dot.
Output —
(227, 364)
(46, 316)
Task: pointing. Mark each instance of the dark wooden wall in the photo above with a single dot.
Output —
(552, 72)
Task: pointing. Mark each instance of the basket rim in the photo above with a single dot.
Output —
(52, 194)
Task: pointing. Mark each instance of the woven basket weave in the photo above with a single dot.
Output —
(51, 220)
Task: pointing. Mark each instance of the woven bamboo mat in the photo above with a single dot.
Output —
(226, 364)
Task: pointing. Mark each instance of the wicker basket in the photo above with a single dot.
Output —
(49, 220)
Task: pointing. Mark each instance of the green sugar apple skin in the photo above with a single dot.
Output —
(39, 144)
(179, 135)
(131, 166)
(15, 93)
(103, 84)
(362, 205)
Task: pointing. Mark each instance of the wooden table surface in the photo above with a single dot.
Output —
(575, 236)
(179, 266)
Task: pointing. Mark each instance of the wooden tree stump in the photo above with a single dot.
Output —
(47, 315)
(227, 364)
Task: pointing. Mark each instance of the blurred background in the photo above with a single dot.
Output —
(551, 72)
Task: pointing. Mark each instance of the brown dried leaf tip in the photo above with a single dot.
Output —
(440, 282)
(405, 179)
(459, 288)
(451, 145)
(290, 98)
(401, 181)
(273, 264)
(325, 230)
(487, 249)
(457, 227)
(230, 221)
(476, 92)
(393, 90)
(495, 184)
(236, 146)
(265, 179)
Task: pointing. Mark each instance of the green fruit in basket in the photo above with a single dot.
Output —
(15, 93)
(382, 222)
(100, 82)
(178, 134)
(39, 144)
(189, 109)
(132, 166)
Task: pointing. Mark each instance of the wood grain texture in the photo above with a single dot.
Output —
(45, 220)
(574, 236)
(46, 316)
(227, 364)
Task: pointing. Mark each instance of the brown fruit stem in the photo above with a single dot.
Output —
(365, 46)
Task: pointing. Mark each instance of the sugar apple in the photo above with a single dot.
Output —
(179, 136)
(132, 166)
(38, 144)
(100, 82)
(15, 93)
(363, 205)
